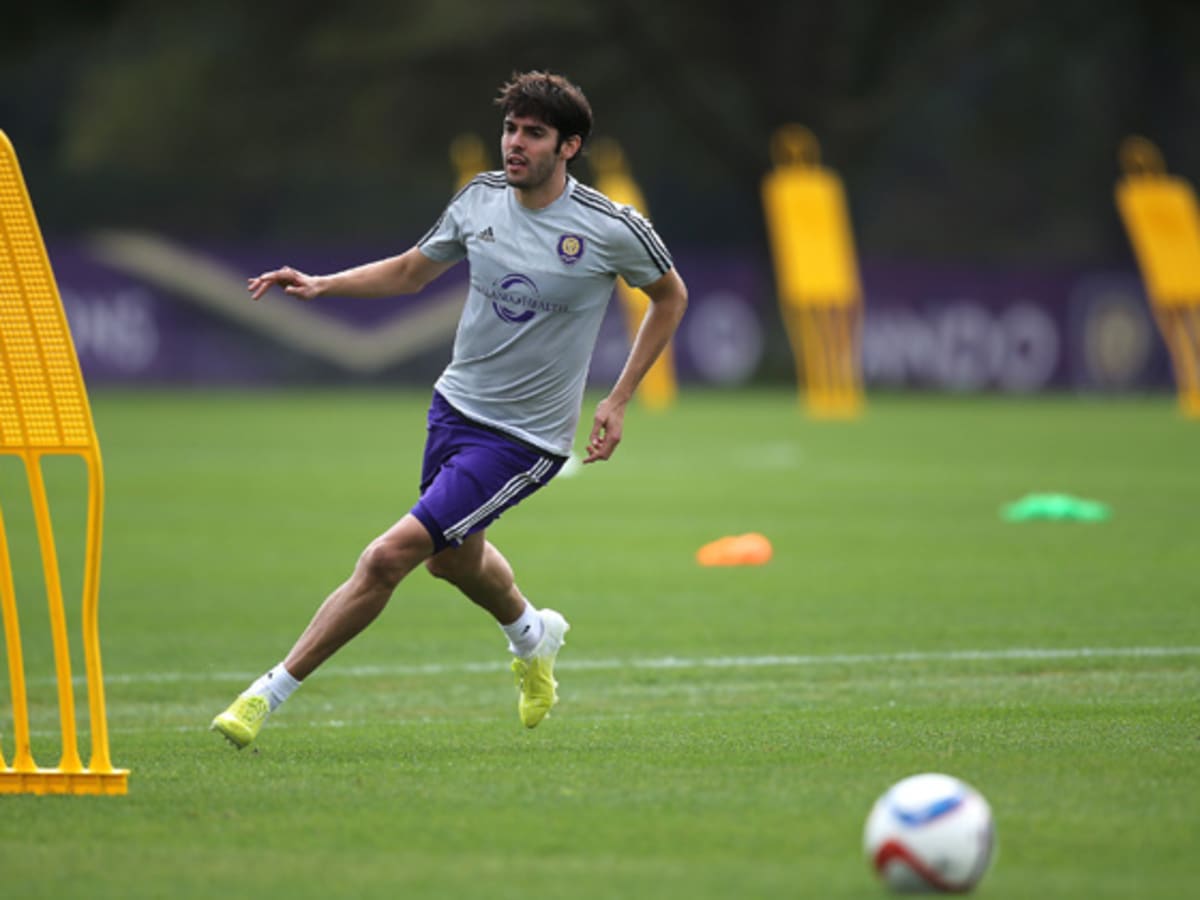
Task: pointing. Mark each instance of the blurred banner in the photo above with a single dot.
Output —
(144, 310)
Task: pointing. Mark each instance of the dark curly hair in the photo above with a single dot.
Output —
(551, 98)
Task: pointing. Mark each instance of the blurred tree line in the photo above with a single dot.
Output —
(966, 130)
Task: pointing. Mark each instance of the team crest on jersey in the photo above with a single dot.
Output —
(570, 248)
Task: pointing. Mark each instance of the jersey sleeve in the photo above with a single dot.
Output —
(639, 255)
(444, 242)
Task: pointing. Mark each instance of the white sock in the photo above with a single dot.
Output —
(524, 634)
(276, 686)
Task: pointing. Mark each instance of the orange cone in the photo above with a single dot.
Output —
(752, 549)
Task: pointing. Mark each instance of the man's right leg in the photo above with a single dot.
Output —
(354, 605)
(346, 612)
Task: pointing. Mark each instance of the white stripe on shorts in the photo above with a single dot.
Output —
(514, 486)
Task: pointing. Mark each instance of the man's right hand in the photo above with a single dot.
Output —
(292, 281)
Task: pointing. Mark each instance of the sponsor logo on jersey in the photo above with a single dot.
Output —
(570, 248)
(513, 297)
(486, 235)
(516, 298)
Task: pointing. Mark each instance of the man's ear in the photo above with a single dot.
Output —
(570, 147)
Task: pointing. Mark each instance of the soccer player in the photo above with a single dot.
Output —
(544, 252)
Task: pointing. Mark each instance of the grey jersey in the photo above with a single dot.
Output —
(540, 282)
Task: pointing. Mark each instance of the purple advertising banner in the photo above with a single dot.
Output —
(144, 310)
(971, 330)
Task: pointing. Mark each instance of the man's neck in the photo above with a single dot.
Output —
(545, 193)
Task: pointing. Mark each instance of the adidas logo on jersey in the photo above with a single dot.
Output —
(486, 235)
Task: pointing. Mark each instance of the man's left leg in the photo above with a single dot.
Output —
(535, 636)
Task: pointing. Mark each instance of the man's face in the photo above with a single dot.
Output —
(528, 148)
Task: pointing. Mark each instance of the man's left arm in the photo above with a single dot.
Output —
(668, 300)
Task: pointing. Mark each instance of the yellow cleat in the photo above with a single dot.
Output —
(242, 721)
(535, 673)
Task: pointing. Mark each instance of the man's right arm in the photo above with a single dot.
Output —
(404, 274)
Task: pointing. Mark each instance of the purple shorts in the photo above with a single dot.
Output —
(472, 473)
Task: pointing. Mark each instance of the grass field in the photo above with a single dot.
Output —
(722, 733)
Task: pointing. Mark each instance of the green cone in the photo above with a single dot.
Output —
(1055, 507)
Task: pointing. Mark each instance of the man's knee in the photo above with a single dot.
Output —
(387, 562)
(395, 553)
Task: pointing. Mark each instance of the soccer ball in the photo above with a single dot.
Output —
(930, 833)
